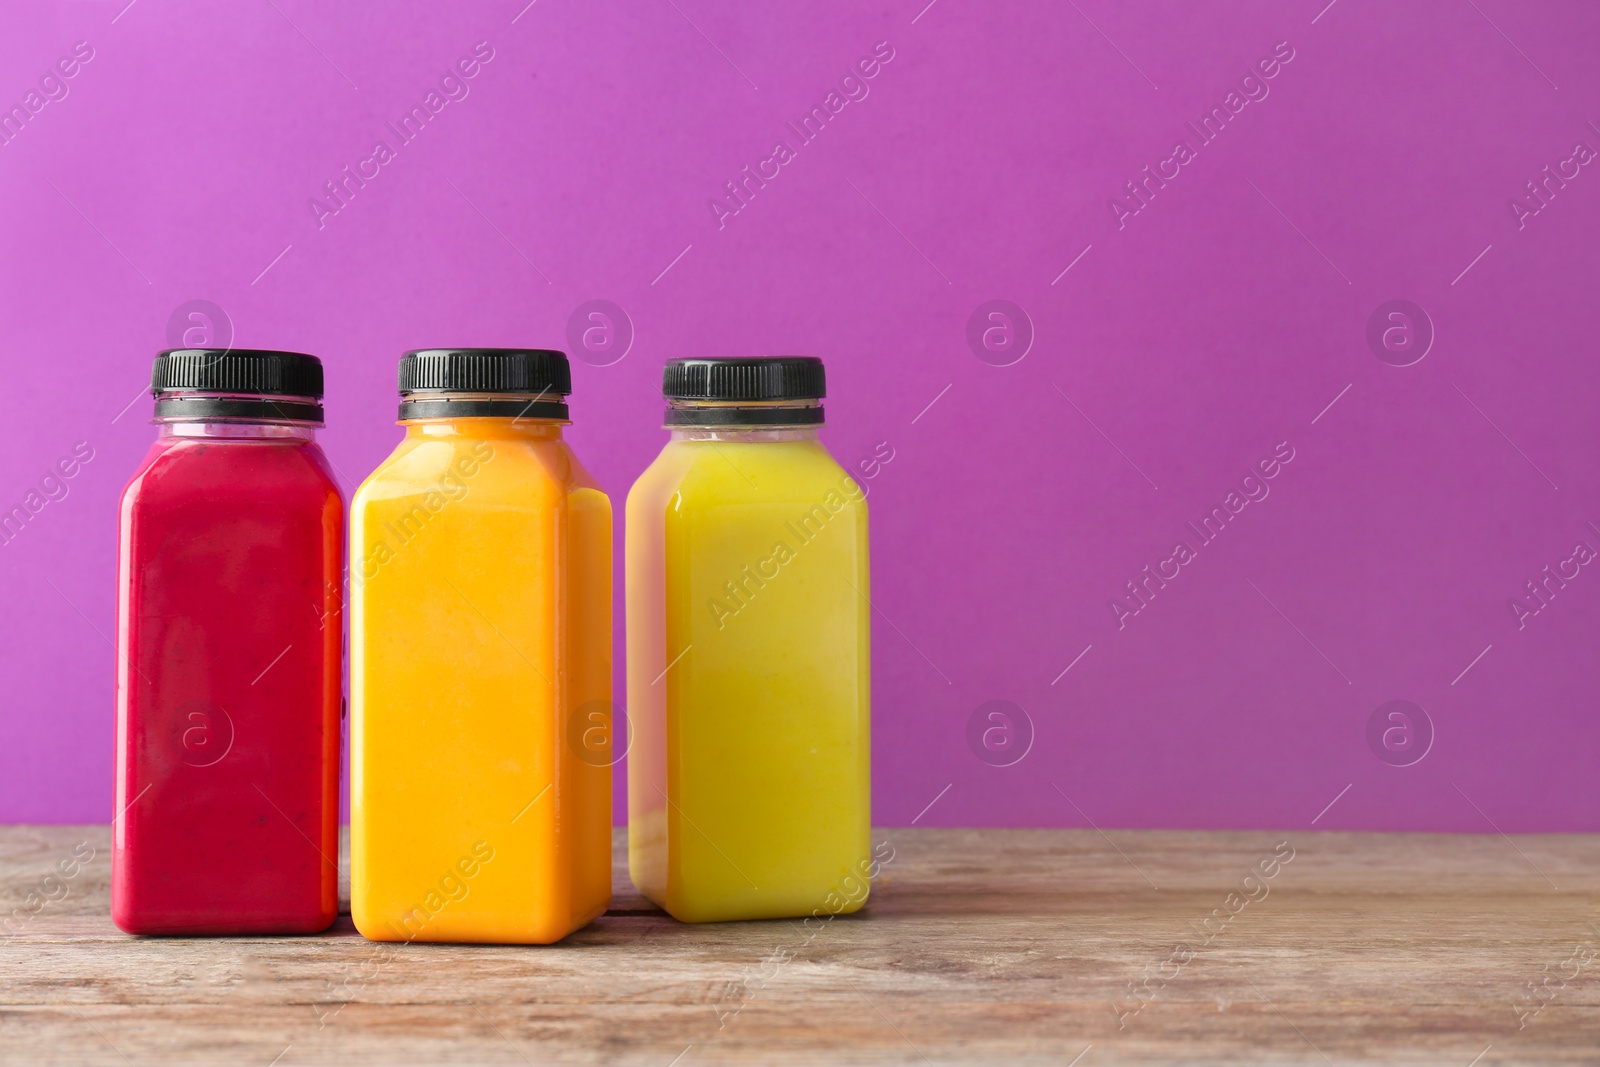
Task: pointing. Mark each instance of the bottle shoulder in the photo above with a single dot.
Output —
(281, 472)
(714, 473)
(458, 467)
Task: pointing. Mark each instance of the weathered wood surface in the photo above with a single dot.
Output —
(977, 946)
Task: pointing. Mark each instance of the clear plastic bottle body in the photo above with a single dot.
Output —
(748, 677)
(229, 679)
(480, 662)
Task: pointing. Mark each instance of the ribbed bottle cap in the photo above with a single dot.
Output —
(760, 391)
(486, 370)
(762, 378)
(533, 381)
(244, 382)
(237, 370)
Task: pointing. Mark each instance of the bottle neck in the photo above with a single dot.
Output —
(237, 430)
(207, 407)
(443, 405)
(484, 428)
(743, 420)
(744, 434)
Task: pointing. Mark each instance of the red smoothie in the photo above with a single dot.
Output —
(229, 679)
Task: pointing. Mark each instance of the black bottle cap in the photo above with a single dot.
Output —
(535, 382)
(750, 391)
(248, 384)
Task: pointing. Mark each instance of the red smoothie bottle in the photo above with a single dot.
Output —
(229, 640)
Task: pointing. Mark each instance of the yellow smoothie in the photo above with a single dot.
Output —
(748, 681)
(480, 642)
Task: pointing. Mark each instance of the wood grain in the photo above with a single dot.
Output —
(977, 946)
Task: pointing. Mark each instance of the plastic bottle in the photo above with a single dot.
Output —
(480, 657)
(229, 635)
(748, 680)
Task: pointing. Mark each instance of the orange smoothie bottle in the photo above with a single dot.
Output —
(480, 662)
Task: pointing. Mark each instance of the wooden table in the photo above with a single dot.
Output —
(1022, 946)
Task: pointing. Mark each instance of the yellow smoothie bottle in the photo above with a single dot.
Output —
(748, 689)
(480, 662)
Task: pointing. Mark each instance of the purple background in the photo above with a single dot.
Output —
(1178, 350)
